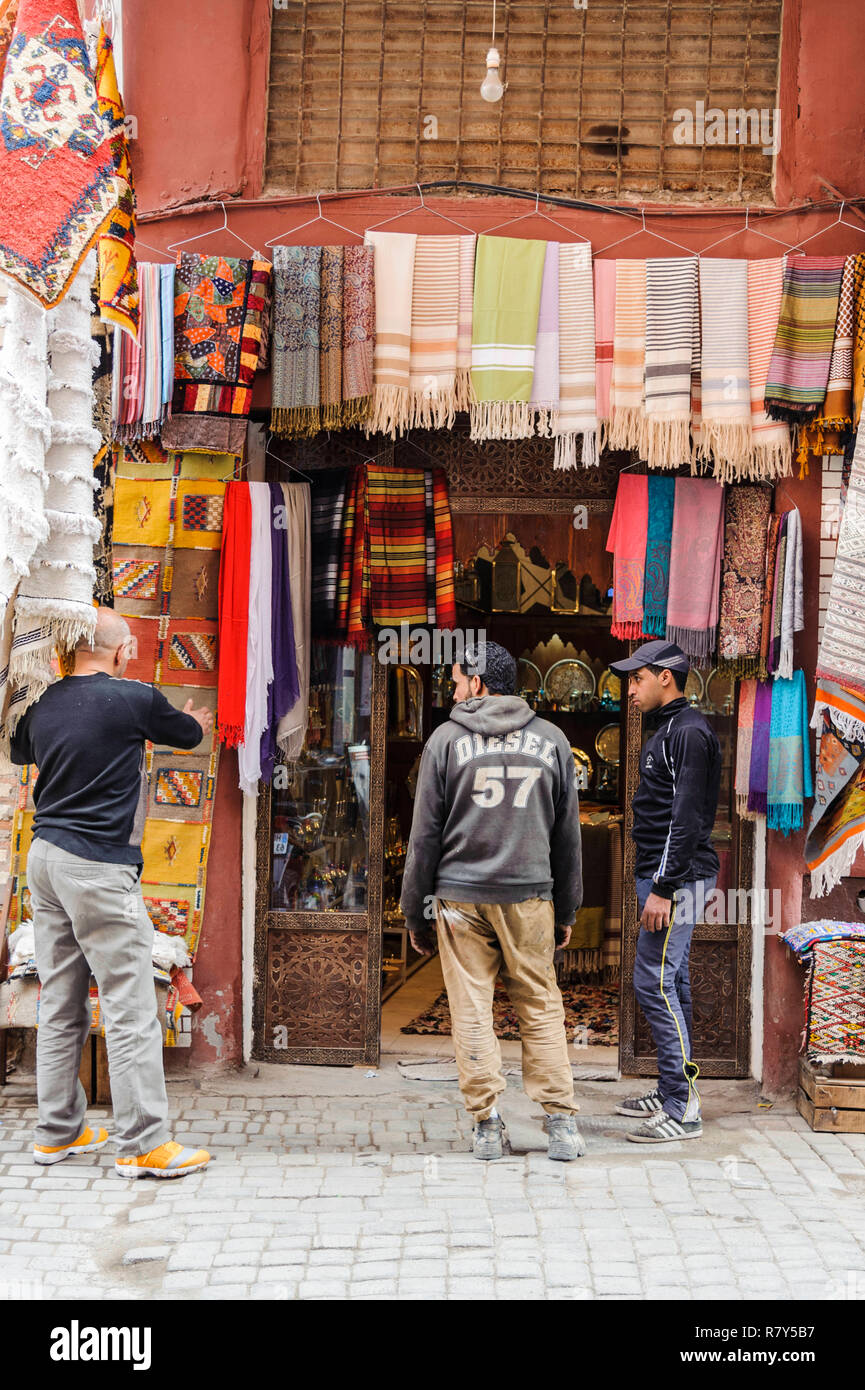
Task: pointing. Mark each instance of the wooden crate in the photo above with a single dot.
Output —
(832, 1099)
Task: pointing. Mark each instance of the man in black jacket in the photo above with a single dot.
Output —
(495, 845)
(86, 736)
(676, 868)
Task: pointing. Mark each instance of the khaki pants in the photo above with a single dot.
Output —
(478, 942)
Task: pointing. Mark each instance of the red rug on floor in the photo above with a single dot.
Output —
(594, 1008)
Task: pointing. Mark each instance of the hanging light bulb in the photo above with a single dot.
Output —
(491, 87)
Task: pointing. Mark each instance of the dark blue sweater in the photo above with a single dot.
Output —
(86, 735)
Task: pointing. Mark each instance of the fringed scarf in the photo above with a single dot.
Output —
(789, 770)
(330, 337)
(396, 512)
(768, 594)
(627, 541)
(296, 381)
(725, 389)
(758, 773)
(434, 331)
(662, 492)
(799, 370)
(221, 336)
(284, 689)
(627, 417)
(828, 433)
(259, 649)
(349, 615)
(836, 831)
(54, 603)
(792, 603)
(394, 277)
(507, 297)
(778, 598)
(328, 505)
(771, 454)
(291, 730)
(545, 379)
(841, 656)
(744, 737)
(743, 580)
(429, 522)
(577, 417)
(233, 612)
(465, 392)
(142, 378)
(672, 313)
(358, 333)
(445, 606)
(605, 328)
(695, 566)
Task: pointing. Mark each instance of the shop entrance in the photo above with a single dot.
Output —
(335, 971)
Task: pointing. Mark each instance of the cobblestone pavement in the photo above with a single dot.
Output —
(335, 1183)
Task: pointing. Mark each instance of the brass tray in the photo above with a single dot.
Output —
(569, 678)
(608, 744)
(610, 686)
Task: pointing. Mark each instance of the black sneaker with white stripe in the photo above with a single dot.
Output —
(640, 1107)
(661, 1128)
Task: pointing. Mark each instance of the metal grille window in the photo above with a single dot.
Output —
(368, 93)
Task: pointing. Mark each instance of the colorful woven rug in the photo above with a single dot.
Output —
(221, 335)
(743, 579)
(57, 167)
(841, 656)
(835, 1031)
(118, 276)
(800, 939)
(593, 1008)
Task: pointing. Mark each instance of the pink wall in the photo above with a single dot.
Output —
(198, 92)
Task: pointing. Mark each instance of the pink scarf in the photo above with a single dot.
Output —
(695, 565)
(627, 541)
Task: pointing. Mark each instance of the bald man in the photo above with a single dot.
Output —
(86, 736)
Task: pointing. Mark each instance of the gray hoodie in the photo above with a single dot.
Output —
(496, 813)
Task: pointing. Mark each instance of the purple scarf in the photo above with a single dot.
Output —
(774, 654)
(758, 784)
(284, 689)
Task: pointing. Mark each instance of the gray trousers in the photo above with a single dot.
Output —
(90, 918)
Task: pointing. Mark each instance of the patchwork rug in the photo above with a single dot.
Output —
(594, 1008)
(835, 1030)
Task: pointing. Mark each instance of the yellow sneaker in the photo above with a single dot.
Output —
(170, 1160)
(85, 1143)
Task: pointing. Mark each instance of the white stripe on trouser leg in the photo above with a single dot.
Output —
(692, 1109)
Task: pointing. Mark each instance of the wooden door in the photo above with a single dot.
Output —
(317, 983)
(720, 955)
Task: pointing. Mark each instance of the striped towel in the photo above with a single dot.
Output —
(627, 417)
(799, 370)
(545, 378)
(358, 332)
(465, 394)
(671, 320)
(507, 298)
(394, 277)
(328, 505)
(434, 332)
(605, 325)
(396, 512)
(446, 613)
(330, 338)
(577, 385)
(771, 455)
(725, 388)
(296, 390)
(827, 434)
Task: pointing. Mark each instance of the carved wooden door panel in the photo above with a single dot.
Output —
(720, 962)
(317, 982)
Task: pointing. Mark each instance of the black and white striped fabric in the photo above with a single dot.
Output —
(672, 338)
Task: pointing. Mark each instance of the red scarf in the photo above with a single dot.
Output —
(446, 612)
(233, 613)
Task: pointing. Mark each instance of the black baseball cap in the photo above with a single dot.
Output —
(657, 653)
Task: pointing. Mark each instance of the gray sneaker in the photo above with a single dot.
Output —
(640, 1106)
(487, 1139)
(565, 1140)
(661, 1128)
